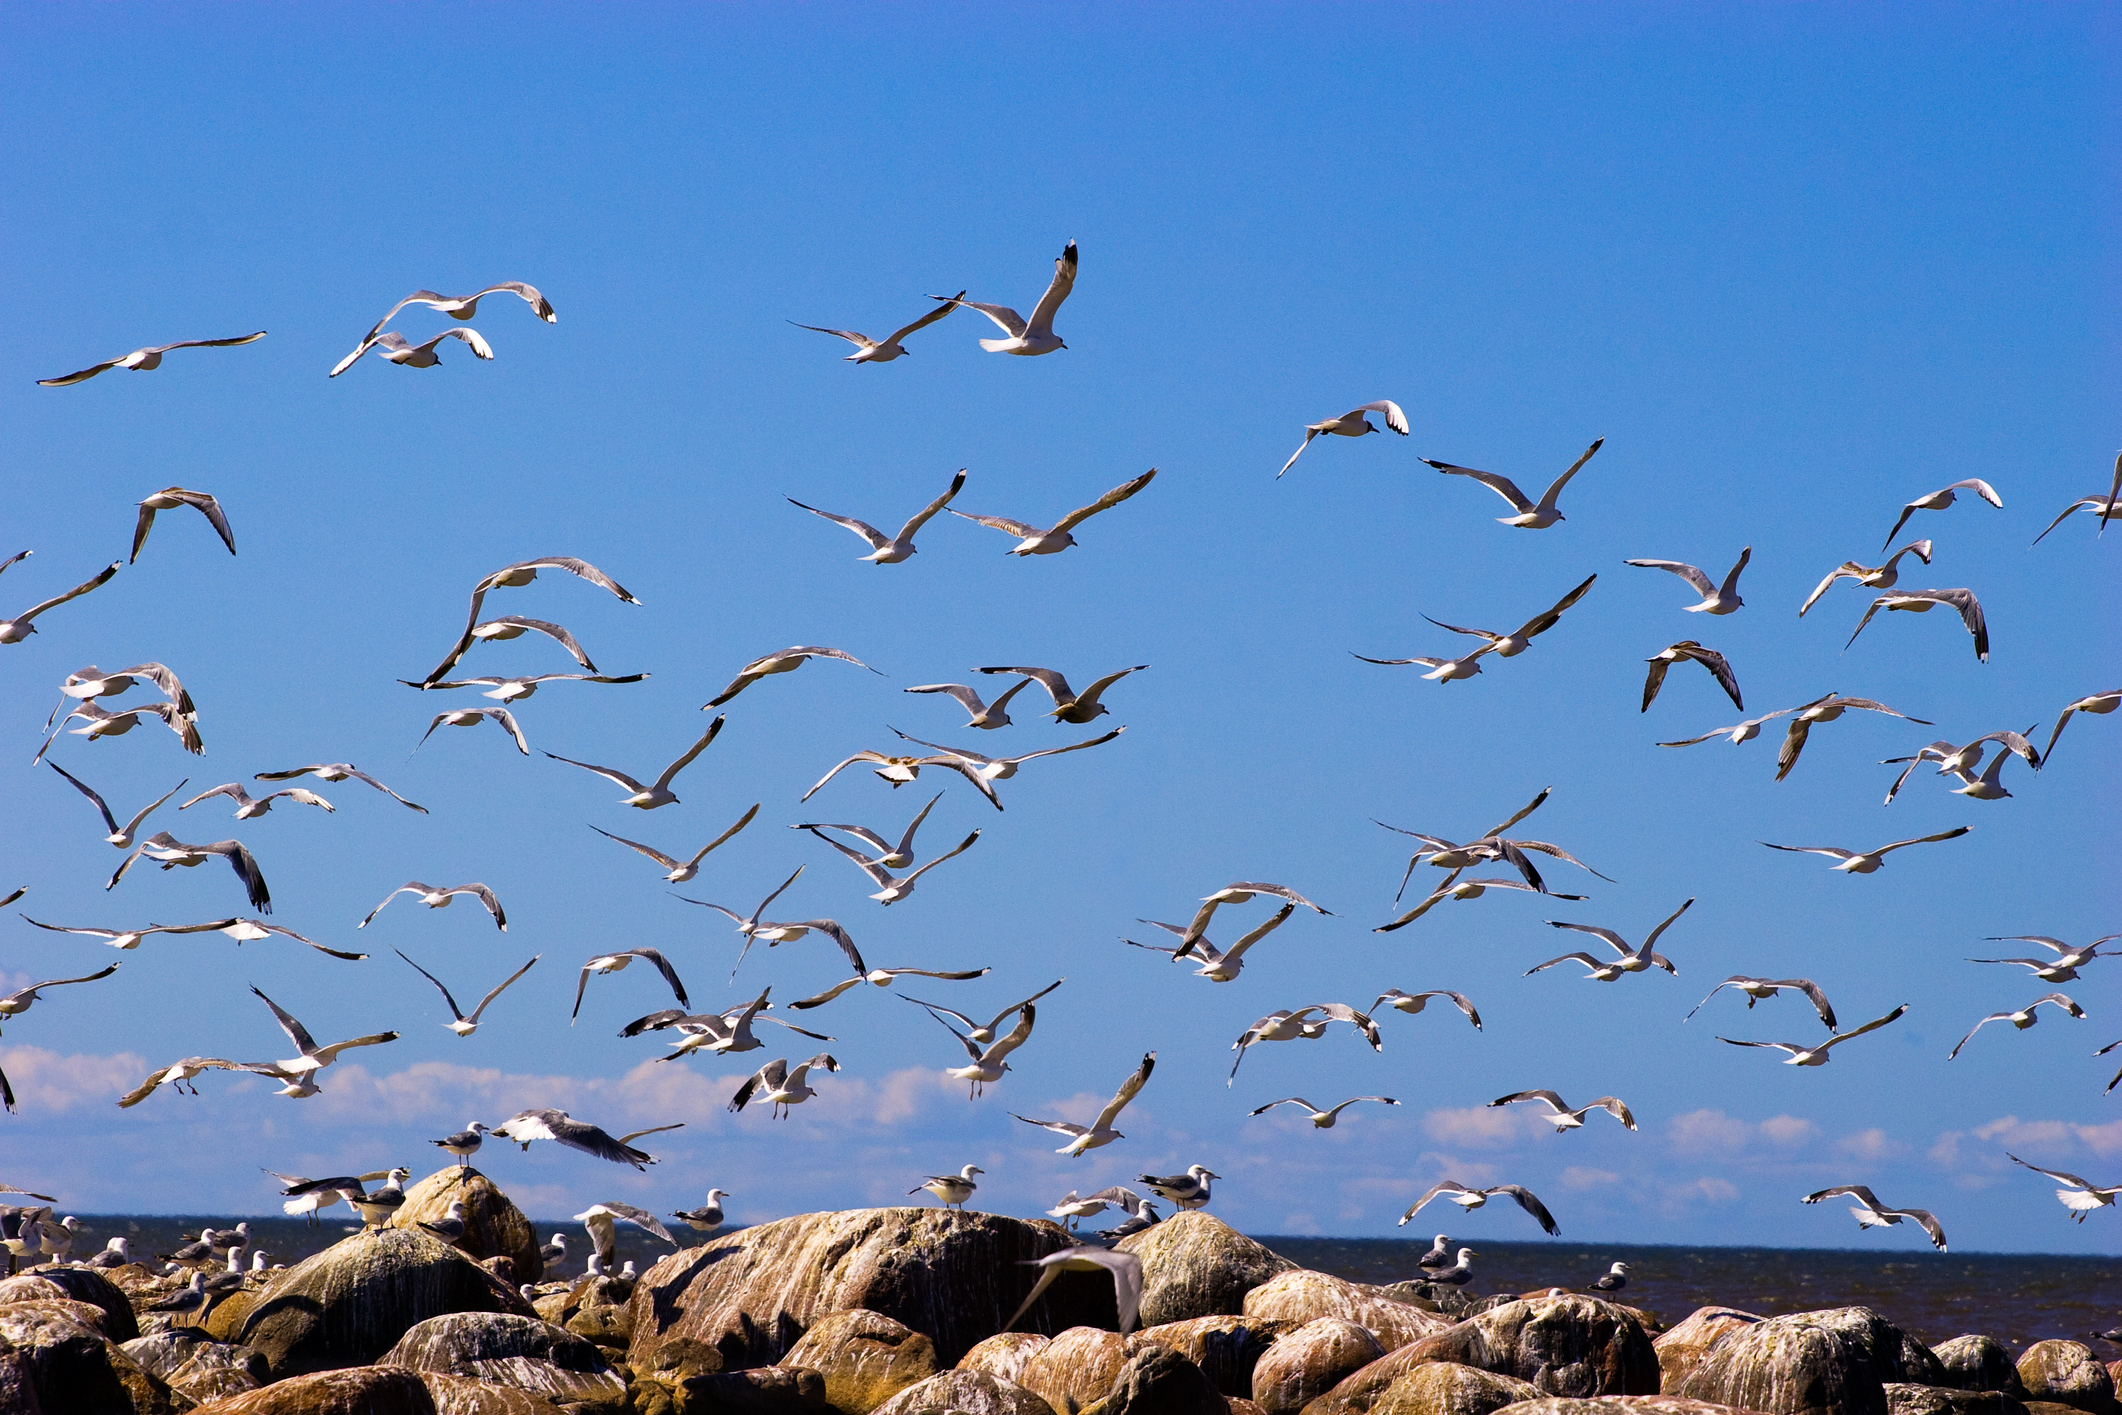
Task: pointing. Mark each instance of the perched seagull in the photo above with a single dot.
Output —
(893, 888)
(401, 351)
(1716, 599)
(306, 1196)
(986, 716)
(168, 499)
(1757, 989)
(130, 938)
(1872, 577)
(16, 1003)
(459, 307)
(466, 1142)
(1631, 960)
(987, 1066)
(708, 1217)
(1922, 601)
(893, 771)
(1189, 1190)
(890, 856)
(883, 351)
(1685, 650)
(682, 870)
(450, 1227)
(1100, 1131)
(2082, 1197)
(1441, 670)
(1965, 761)
(1350, 424)
(379, 1205)
(1439, 1255)
(192, 1300)
(786, 661)
(982, 770)
(1242, 892)
(2107, 506)
(1069, 705)
(951, 1190)
(647, 798)
(338, 771)
(248, 808)
(1939, 500)
(170, 852)
(462, 1025)
(1456, 1274)
(1126, 1269)
(1614, 1279)
(1562, 1117)
(1825, 708)
(2099, 704)
(1288, 1026)
(1217, 965)
(2025, 1017)
(435, 898)
(15, 630)
(882, 977)
(509, 690)
(309, 1056)
(1456, 888)
(1412, 1003)
(1865, 862)
(600, 1220)
(1033, 541)
(545, 1124)
(616, 962)
(515, 576)
(102, 723)
(2063, 968)
(1071, 1209)
(115, 1254)
(1804, 1055)
(1323, 1119)
(1036, 335)
(776, 934)
(985, 1032)
(1519, 640)
(1873, 1214)
(513, 626)
(120, 835)
(142, 360)
(1528, 516)
(1144, 1217)
(884, 549)
(777, 1083)
(472, 717)
(1471, 1199)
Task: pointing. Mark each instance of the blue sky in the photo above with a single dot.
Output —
(1797, 266)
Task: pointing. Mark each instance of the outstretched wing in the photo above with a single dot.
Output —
(670, 772)
(1127, 1091)
(1501, 485)
(1525, 1197)
(1104, 503)
(1042, 320)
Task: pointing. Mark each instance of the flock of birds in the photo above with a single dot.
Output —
(892, 862)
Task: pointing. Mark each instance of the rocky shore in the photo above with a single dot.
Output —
(900, 1311)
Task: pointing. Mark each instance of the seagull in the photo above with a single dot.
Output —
(1863, 863)
(435, 898)
(1632, 960)
(1685, 650)
(1922, 601)
(2082, 1197)
(893, 888)
(170, 852)
(893, 771)
(2107, 505)
(1614, 1279)
(1471, 1199)
(599, 1219)
(708, 1217)
(616, 962)
(1803, 1055)
(1441, 670)
(1145, 1217)
(545, 1124)
(142, 360)
(513, 626)
(2099, 704)
(471, 717)
(247, 808)
(985, 1032)
(311, 1057)
(891, 857)
(15, 630)
(1939, 500)
(1071, 1208)
(776, 934)
(515, 576)
(2025, 1017)
(722, 1033)
(1518, 641)
(120, 835)
(1456, 888)
(986, 716)
(1069, 705)
(786, 661)
(1218, 966)
(462, 1025)
(1126, 1269)
(1491, 846)
(987, 1066)
(310, 1195)
(1323, 1119)
(168, 499)
(1757, 989)
(1350, 424)
(682, 870)
(1872, 577)
(399, 350)
(2063, 968)
(951, 1190)
(1562, 1117)
(1529, 517)
(509, 690)
(1100, 1131)
(193, 1299)
(982, 770)
(337, 771)
(1456, 1274)
(1874, 1214)
(1825, 708)
(882, 977)
(1413, 1002)
(130, 938)
(647, 798)
(114, 1254)
(93, 682)
(1033, 541)
(1241, 892)
(450, 1227)
(1716, 599)
(460, 307)
(16, 1003)
(102, 723)
(378, 1205)
(1964, 761)
(776, 1083)
(1288, 1026)
(883, 351)
(466, 1142)
(1036, 335)
(884, 549)
(1439, 1255)
(179, 1075)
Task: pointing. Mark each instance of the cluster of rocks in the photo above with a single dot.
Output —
(898, 1312)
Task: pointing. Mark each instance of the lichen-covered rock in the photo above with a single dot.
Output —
(757, 1390)
(208, 1377)
(510, 1350)
(606, 1325)
(1684, 1345)
(164, 1352)
(1569, 1345)
(1157, 1381)
(75, 1370)
(1448, 1388)
(965, 1393)
(460, 1395)
(364, 1390)
(1904, 1398)
(1225, 1348)
(91, 1317)
(1624, 1405)
(1894, 1355)
(18, 1393)
(2067, 1373)
(1196, 1265)
(865, 1358)
(493, 1226)
(1300, 1296)
(351, 1303)
(85, 1285)
(1798, 1364)
(1979, 1363)
(1076, 1368)
(956, 1277)
(1310, 1361)
(1005, 1354)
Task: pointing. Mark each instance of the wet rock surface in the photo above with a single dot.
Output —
(1568, 1345)
(965, 1393)
(1196, 1265)
(1979, 1363)
(865, 1359)
(1300, 1295)
(1309, 1362)
(493, 1226)
(2067, 1373)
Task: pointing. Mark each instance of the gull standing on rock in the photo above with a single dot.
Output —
(1469, 1198)
(472, 717)
(1631, 960)
(1684, 651)
(15, 630)
(1939, 500)
(1528, 515)
(435, 898)
(1615, 1278)
(616, 962)
(1872, 577)
(1874, 1214)
(785, 661)
(1455, 1274)
(379, 1205)
(1350, 424)
(1826, 708)
(1922, 602)
(2099, 704)
(884, 549)
(1865, 862)
(170, 498)
(986, 716)
(1518, 641)
(169, 852)
(466, 1142)
(464, 1025)
(1189, 1190)
(883, 351)
(1032, 336)
(1562, 1117)
(1323, 1119)
(1100, 1131)
(1439, 1255)
(1033, 541)
(120, 836)
(951, 1190)
(681, 871)
(458, 307)
(1218, 966)
(1716, 599)
(647, 798)
(1804, 1055)
(1758, 989)
(708, 1217)
(142, 360)
(338, 771)
(547, 1124)
(2025, 1017)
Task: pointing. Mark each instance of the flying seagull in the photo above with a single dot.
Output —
(1036, 335)
(2025, 1017)
(338, 771)
(781, 1085)
(512, 626)
(1528, 516)
(130, 938)
(170, 852)
(509, 690)
(1964, 761)
(682, 870)
(1287, 1026)
(459, 307)
(19, 1001)
(893, 771)
(1756, 989)
(785, 661)
(985, 1032)
(1631, 960)
(515, 576)
(1866, 862)
(2063, 968)
(1033, 541)
(248, 808)
(93, 682)
(169, 498)
(1470, 1199)
(883, 977)
(2082, 1197)
(120, 835)
(459, 1023)
(1872, 577)
(251, 930)
(103, 723)
(647, 798)
(982, 770)
(15, 630)
(1826, 708)
(309, 1056)
(986, 1067)
(1939, 500)
(1802, 1054)
(1922, 602)
(1217, 965)
(1873, 1214)
(435, 898)
(1512, 644)
(472, 717)
(1100, 1131)
(1069, 705)
(891, 888)
(604, 1233)
(1126, 1269)
(883, 351)
(616, 962)
(403, 352)
(142, 360)
(546, 1124)
(1456, 888)
(1350, 424)
(1442, 670)
(890, 856)
(2106, 505)
(776, 934)
(1685, 650)
(1323, 1119)
(179, 1077)
(1716, 599)
(1241, 892)
(891, 550)
(1412, 1003)
(986, 716)
(2099, 704)
(1445, 854)
(1562, 1117)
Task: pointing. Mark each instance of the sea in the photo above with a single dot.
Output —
(2018, 1298)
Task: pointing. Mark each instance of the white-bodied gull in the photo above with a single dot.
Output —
(461, 1023)
(883, 351)
(884, 549)
(1469, 1198)
(1687, 650)
(1526, 514)
(1940, 499)
(437, 898)
(1034, 336)
(1322, 1119)
(142, 360)
(1872, 577)
(1873, 1214)
(682, 870)
(15, 630)
(1100, 1131)
(1562, 1117)
(1864, 862)
(1818, 1054)
(1031, 540)
(1350, 424)
(2022, 1019)
(1716, 598)
(337, 771)
(647, 798)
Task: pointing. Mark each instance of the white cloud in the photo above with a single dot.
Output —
(1474, 1125)
(1708, 1132)
(45, 1082)
(1872, 1144)
(1580, 1177)
(1708, 1188)
(1788, 1129)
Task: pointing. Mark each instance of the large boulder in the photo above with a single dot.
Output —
(1979, 1363)
(1448, 1388)
(460, 1395)
(1300, 1296)
(955, 1276)
(1076, 1368)
(1196, 1265)
(1623, 1405)
(865, 1358)
(365, 1390)
(74, 1370)
(510, 1350)
(1806, 1363)
(1894, 1354)
(493, 1226)
(965, 1393)
(351, 1303)
(1156, 1381)
(1568, 1345)
(756, 1390)
(2067, 1373)
(216, 1370)
(1005, 1354)
(18, 1392)
(80, 1285)
(1903, 1398)
(1683, 1346)
(1309, 1362)
(1227, 1349)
